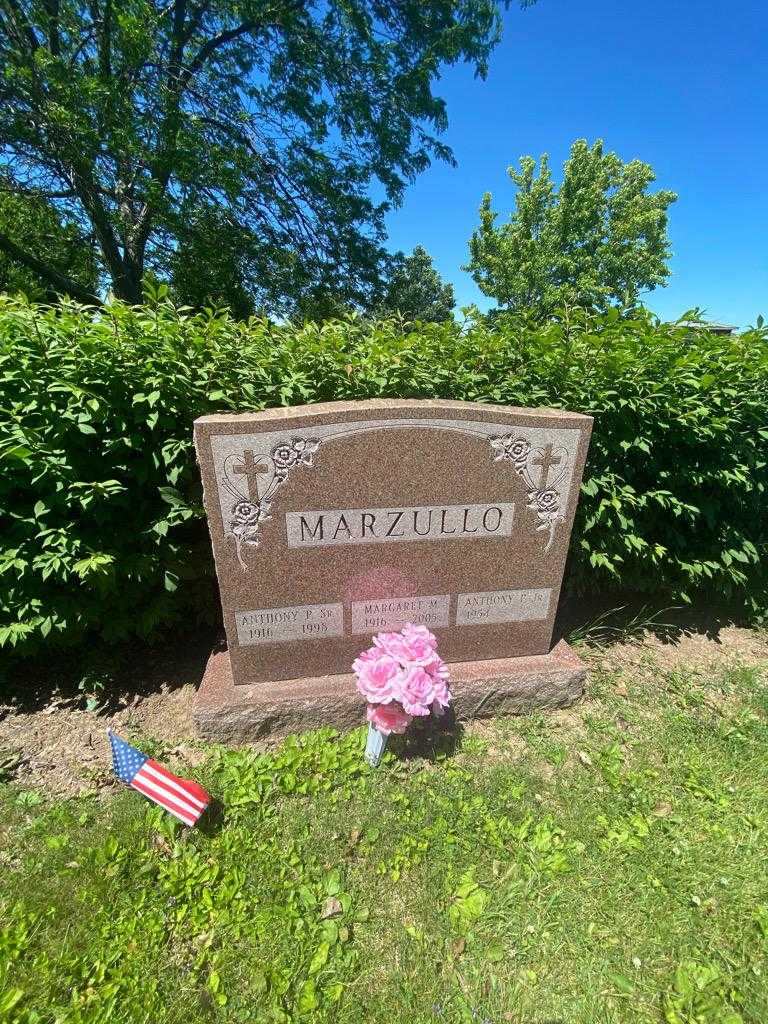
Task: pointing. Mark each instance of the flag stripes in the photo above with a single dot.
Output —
(165, 778)
(182, 798)
(161, 796)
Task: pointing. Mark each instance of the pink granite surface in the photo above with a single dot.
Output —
(441, 457)
(227, 713)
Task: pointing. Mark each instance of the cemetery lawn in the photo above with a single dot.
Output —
(603, 864)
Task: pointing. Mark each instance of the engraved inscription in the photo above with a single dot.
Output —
(394, 612)
(496, 606)
(250, 467)
(383, 525)
(301, 622)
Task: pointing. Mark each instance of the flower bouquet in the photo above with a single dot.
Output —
(401, 676)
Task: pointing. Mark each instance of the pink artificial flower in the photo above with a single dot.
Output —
(388, 717)
(402, 675)
(442, 696)
(421, 644)
(410, 632)
(395, 645)
(377, 677)
(370, 655)
(437, 668)
(417, 691)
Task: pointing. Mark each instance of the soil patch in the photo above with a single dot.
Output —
(696, 651)
(64, 750)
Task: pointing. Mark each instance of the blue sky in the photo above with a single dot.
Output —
(681, 84)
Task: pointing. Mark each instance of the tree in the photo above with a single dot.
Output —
(415, 290)
(273, 116)
(210, 265)
(600, 239)
(29, 223)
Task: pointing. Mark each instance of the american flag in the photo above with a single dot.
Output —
(182, 797)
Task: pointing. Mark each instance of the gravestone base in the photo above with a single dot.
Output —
(225, 713)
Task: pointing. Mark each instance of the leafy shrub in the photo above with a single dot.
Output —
(105, 531)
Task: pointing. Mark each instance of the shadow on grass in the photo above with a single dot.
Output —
(213, 820)
(625, 618)
(429, 738)
(113, 677)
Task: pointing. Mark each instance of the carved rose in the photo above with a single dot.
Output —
(497, 443)
(515, 449)
(518, 449)
(298, 452)
(305, 448)
(245, 512)
(545, 501)
(284, 456)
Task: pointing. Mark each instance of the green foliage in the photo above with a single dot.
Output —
(37, 225)
(106, 532)
(10, 762)
(600, 239)
(273, 119)
(210, 266)
(305, 765)
(701, 995)
(415, 291)
(168, 895)
(469, 902)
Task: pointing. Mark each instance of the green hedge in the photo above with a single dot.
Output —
(104, 533)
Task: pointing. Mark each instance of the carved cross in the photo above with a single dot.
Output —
(546, 461)
(252, 470)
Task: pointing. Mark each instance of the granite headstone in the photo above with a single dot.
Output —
(332, 522)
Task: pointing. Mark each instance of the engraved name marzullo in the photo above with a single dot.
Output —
(385, 525)
(252, 468)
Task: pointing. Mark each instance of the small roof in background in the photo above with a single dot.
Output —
(702, 325)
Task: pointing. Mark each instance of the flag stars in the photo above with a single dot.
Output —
(127, 759)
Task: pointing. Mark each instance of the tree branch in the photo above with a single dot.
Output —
(54, 42)
(177, 37)
(196, 20)
(102, 27)
(86, 40)
(54, 277)
(37, 193)
(213, 44)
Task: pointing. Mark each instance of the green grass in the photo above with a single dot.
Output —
(600, 866)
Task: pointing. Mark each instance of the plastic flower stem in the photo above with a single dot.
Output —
(375, 745)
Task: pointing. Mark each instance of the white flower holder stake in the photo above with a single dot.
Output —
(375, 745)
